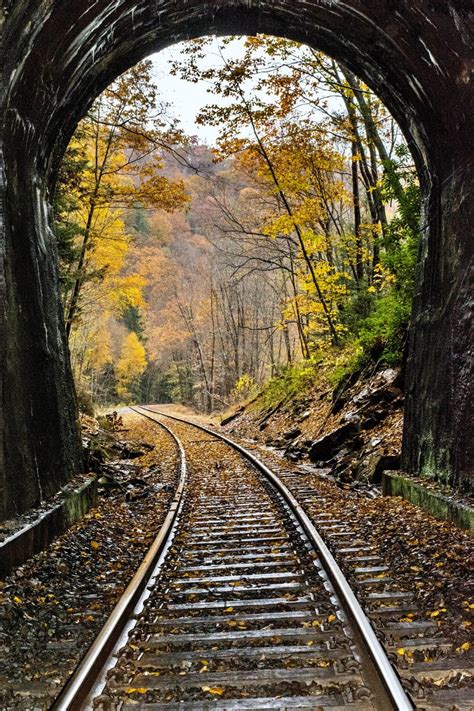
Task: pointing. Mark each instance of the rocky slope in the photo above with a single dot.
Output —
(354, 432)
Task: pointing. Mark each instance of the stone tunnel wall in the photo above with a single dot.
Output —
(58, 55)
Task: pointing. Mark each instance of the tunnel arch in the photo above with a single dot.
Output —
(58, 58)
(98, 48)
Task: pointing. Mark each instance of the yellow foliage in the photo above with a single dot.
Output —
(131, 364)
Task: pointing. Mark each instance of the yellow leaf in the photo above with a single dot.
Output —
(465, 647)
(331, 618)
(315, 623)
(229, 609)
(135, 690)
(95, 545)
(17, 599)
(400, 651)
(216, 690)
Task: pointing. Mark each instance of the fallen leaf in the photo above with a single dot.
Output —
(215, 690)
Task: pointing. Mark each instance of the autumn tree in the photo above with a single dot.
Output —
(195, 274)
(130, 366)
(211, 321)
(120, 142)
(324, 149)
(273, 140)
(112, 166)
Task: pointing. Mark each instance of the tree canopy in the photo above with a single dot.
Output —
(196, 273)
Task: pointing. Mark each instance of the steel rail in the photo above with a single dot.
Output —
(384, 668)
(83, 679)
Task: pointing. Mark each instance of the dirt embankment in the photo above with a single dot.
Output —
(355, 432)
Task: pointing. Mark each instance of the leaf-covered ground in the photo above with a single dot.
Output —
(52, 607)
(430, 557)
(161, 665)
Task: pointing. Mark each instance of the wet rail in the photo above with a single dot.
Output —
(245, 606)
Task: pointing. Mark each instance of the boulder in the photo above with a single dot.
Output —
(327, 447)
(227, 420)
(373, 418)
(292, 434)
(372, 467)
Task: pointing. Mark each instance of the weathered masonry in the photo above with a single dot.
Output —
(59, 54)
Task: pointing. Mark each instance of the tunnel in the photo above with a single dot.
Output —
(59, 55)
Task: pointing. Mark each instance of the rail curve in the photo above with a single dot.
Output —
(282, 573)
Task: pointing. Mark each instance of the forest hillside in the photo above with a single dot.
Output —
(283, 254)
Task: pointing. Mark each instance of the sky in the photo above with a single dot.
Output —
(186, 98)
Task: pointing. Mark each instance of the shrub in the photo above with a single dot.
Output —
(292, 380)
(244, 388)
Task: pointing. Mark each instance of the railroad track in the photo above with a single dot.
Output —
(239, 604)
